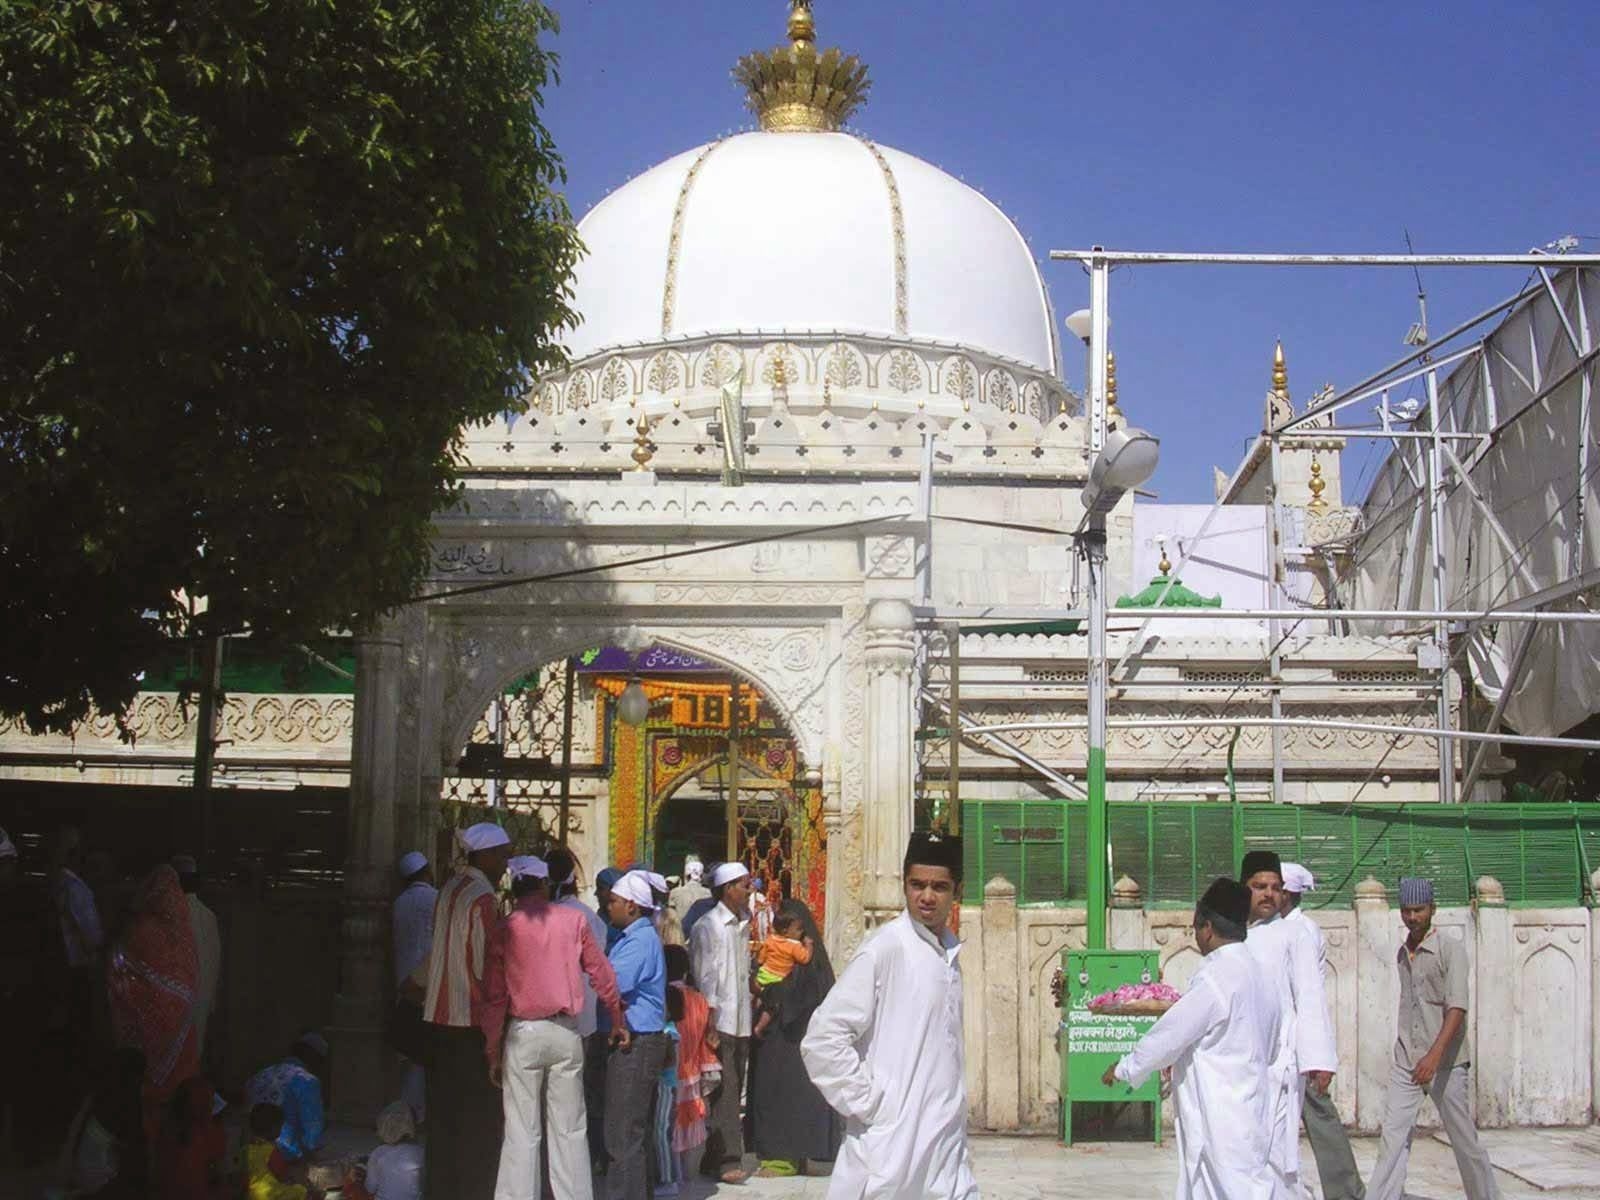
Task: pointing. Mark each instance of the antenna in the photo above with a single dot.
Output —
(1417, 335)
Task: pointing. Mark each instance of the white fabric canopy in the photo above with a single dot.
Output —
(1531, 474)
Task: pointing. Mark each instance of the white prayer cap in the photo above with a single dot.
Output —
(1297, 879)
(636, 887)
(411, 863)
(485, 835)
(526, 866)
(8, 848)
(657, 882)
(396, 1124)
(693, 868)
(728, 872)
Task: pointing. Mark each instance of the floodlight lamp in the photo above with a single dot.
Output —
(1127, 460)
(1081, 323)
(633, 706)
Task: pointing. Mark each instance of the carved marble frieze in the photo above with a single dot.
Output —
(822, 402)
(248, 724)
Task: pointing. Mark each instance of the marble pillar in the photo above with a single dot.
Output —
(1375, 988)
(361, 1062)
(1001, 1031)
(1494, 1049)
(890, 719)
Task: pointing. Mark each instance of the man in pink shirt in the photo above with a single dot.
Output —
(534, 976)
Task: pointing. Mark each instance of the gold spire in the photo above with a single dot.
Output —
(1280, 373)
(642, 450)
(1317, 486)
(1165, 565)
(793, 88)
(1113, 413)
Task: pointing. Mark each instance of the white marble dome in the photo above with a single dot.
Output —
(791, 233)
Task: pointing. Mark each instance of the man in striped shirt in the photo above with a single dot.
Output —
(464, 1107)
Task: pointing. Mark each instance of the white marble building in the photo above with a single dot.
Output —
(854, 303)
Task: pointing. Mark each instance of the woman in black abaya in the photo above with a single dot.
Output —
(790, 1123)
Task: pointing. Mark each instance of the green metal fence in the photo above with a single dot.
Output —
(1542, 853)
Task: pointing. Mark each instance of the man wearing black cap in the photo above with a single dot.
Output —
(1430, 1053)
(1288, 962)
(1220, 1041)
(885, 1047)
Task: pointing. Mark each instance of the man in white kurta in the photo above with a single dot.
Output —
(1219, 1040)
(1287, 957)
(885, 1047)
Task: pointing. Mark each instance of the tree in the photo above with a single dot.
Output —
(259, 265)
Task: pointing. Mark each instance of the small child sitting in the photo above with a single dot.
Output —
(268, 1174)
(784, 948)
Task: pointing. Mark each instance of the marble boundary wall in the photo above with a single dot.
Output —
(1533, 1023)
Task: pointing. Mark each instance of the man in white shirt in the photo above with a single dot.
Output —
(413, 939)
(1288, 963)
(885, 1048)
(719, 952)
(1330, 1144)
(1220, 1041)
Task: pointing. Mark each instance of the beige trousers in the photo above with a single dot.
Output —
(1404, 1100)
(543, 1066)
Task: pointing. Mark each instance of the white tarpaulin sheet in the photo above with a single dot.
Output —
(1538, 483)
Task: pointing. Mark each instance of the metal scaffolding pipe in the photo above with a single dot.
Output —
(1396, 731)
(1149, 257)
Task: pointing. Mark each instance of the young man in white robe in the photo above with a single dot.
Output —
(885, 1047)
(1306, 1056)
(1330, 1143)
(1220, 1041)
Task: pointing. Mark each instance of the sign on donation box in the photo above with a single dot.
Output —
(1091, 1040)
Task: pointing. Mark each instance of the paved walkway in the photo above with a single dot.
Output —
(1533, 1164)
(1549, 1164)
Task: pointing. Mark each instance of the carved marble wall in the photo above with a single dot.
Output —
(1531, 1015)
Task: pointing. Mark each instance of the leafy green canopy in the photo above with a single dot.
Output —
(259, 264)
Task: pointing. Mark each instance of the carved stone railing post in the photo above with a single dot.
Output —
(360, 1060)
(1594, 989)
(1375, 1001)
(1002, 971)
(1126, 928)
(890, 779)
(1494, 1063)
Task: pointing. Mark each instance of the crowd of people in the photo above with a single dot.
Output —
(114, 982)
(1251, 1052)
(654, 1039)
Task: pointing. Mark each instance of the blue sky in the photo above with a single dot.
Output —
(1173, 127)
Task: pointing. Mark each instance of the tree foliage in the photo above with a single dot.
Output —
(260, 262)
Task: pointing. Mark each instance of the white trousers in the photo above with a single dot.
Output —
(543, 1068)
(1402, 1104)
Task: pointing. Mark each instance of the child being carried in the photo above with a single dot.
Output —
(784, 948)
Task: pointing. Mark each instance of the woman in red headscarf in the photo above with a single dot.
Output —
(153, 978)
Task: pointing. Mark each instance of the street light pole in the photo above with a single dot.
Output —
(1094, 549)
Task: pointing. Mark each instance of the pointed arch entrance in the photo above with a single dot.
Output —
(675, 789)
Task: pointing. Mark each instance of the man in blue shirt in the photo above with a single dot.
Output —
(639, 1052)
(295, 1086)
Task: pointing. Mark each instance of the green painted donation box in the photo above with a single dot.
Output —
(1090, 1042)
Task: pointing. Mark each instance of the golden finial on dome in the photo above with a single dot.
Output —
(1317, 486)
(1165, 565)
(792, 88)
(1280, 373)
(642, 450)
